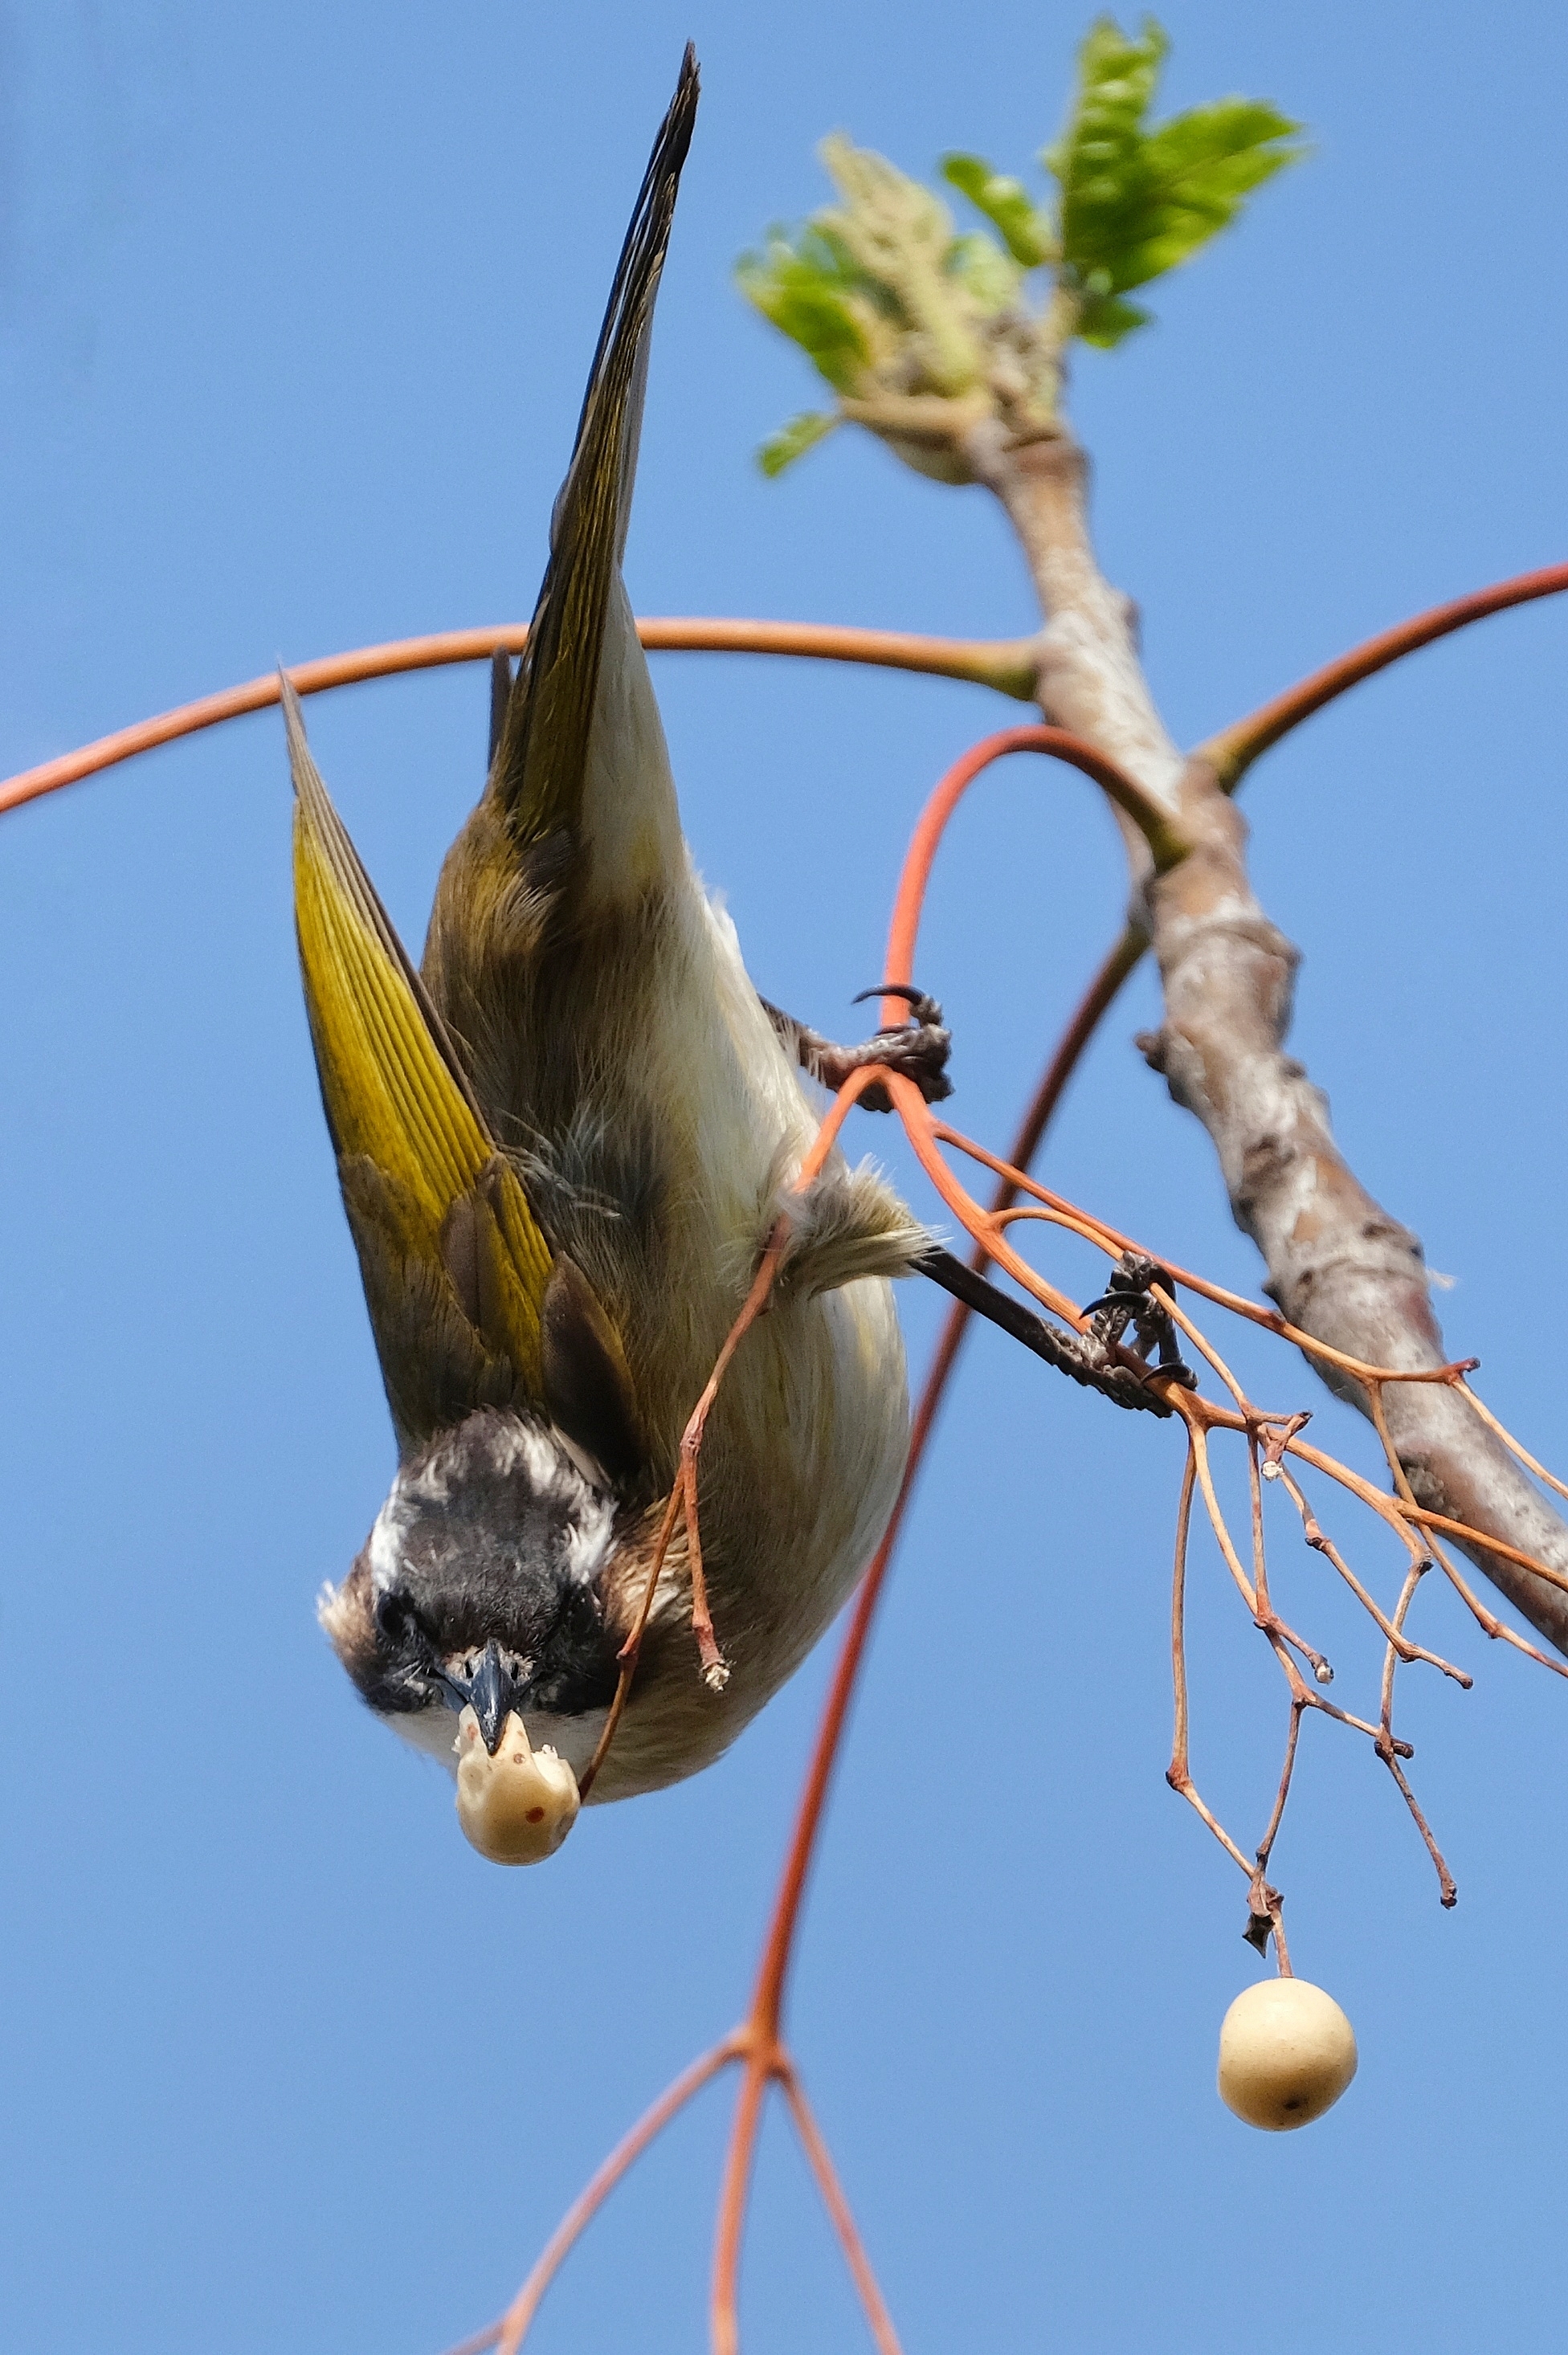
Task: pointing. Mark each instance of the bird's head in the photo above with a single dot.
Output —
(475, 1607)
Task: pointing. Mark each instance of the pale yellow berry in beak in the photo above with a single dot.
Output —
(518, 1806)
(1286, 2054)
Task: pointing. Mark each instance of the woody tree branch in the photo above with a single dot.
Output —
(1340, 1266)
(930, 341)
(1088, 664)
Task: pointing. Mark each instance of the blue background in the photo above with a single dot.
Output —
(295, 306)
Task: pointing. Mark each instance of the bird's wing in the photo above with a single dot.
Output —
(540, 761)
(425, 1077)
(456, 1270)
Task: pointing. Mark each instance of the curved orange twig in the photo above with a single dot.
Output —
(507, 2335)
(765, 2018)
(1155, 822)
(1006, 663)
(1234, 748)
(767, 2000)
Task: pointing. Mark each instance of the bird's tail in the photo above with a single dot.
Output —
(541, 760)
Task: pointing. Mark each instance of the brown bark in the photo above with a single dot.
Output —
(1090, 679)
(1338, 1266)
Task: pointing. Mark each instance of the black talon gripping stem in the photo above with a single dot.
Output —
(916, 1049)
(1083, 1358)
(1128, 1299)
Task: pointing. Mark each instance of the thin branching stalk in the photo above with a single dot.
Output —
(1007, 665)
(1232, 751)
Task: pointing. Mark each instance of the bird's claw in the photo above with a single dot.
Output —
(917, 1050)
(1129, 1300)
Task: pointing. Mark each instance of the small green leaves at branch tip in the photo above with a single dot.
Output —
(1103, 318)
(922, 331)
(811, 295)
(1136, 202)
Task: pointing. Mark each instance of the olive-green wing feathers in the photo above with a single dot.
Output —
(455, 1267)
(577, 835)
(469, 1303)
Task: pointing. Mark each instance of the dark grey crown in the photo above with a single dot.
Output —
(492, 1533)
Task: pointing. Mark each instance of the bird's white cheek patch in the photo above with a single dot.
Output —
(518, 1806)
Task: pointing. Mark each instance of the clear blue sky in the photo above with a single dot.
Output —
(296, 307)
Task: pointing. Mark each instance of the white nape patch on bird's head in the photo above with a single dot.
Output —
(489, 1463)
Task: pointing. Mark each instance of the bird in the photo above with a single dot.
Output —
(562, 1142)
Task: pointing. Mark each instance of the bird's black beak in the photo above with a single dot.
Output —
(493, 1695)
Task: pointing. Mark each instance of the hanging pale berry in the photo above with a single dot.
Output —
(516, 1805)
(1286, 2054)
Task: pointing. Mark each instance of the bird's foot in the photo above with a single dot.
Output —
(917, 1050)
(1129, 1300)
(1085, 1358)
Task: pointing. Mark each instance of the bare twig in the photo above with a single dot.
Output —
(1396, 1636)
(1463, 1389)
(507, 2335)
(1006, 663)
(1231, 752)
(1388, 1748)
(734, 2196)
(1341, 1269)
(837, 2208)
(1179, 1773)
(1286, 1770)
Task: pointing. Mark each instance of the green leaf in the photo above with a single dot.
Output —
(1097, 157)
(1135, 202)
(1105, 319)
(1026, 231)
(794, 440)
(805, 290)
(1202, 166)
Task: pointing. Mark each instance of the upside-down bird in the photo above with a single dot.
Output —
(562, 1144)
